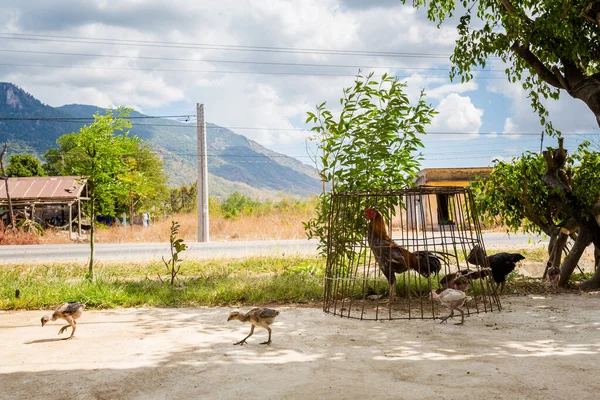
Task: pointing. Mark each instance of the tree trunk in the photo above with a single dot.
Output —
(92, 238)
(594, 281)
(11, 215)
(585, 88)
(131, 212)
(555, 249)
(570, 263)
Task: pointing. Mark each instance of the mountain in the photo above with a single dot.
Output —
(234, 161)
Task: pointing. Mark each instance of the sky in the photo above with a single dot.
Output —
(164, 57)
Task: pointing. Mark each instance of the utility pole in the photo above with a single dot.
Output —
(542, 143)
(11, 215)
(202, 175)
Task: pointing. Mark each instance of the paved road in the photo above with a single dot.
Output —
(142, 251)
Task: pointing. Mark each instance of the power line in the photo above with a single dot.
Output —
(206, 46)
(236, 61)
(179, 124)
(77, 119)
(215, 71)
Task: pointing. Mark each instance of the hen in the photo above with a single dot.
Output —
(501, 264)
(394, 259)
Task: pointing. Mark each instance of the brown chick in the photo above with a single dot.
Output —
(458, 280)
(67, 311)
(261, 317)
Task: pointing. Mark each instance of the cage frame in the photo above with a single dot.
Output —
(485, 298)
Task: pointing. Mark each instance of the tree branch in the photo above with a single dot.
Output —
(591, 12)
(535, 64)
(508, 7)
(560, 78)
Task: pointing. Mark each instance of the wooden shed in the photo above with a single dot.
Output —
(48, 200)
(443, 203)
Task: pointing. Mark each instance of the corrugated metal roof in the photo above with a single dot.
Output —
(53, 188)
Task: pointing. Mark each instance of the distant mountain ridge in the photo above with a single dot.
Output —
(234, 161)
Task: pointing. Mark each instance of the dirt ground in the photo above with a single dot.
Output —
(536, 348)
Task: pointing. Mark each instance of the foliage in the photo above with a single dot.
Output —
(236, 204)
(516, 194)
(251, 281)
(144, 179)
(183, 199)
(586, 175)
(371, 145)
(177, 246)
(23, 165)
(547, 44)
(97, 154)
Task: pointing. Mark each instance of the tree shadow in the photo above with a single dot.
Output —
(45, 341)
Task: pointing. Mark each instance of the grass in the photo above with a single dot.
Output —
(254, 281)
(282, 225)
(202, 283)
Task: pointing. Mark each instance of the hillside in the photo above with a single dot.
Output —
(234, 161)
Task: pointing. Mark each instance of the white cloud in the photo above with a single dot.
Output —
(567, 114)
(458, 114)
(246, 100)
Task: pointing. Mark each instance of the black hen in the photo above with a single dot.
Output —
(501, 264)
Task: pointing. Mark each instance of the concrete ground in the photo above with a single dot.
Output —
(536, 348)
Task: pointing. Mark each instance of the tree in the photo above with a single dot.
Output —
(550, 46)
(97, 154)
(144, 179)
(371, 145)
(518, 195)
(23, 165)
(553, 46)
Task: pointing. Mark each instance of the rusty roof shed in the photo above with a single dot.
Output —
(45, 193)
(42, 190)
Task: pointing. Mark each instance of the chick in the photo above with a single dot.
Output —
(453, 299)
(67, 311)
(261, 317)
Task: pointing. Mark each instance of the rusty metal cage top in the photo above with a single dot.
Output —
(441, 221)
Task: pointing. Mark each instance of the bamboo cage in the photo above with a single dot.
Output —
(437, 220)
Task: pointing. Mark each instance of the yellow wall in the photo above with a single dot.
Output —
(449, 183)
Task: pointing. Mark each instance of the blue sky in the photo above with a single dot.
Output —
(164, 57)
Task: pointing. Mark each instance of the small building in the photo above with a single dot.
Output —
(443, 203)
(47, 200)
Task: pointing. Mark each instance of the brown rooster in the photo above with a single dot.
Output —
(394, 259)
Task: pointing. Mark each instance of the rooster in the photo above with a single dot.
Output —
(394, 259)
(501, 264)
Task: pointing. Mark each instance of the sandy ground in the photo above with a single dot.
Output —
(536, 348)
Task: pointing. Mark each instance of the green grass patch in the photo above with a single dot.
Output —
(201, 283)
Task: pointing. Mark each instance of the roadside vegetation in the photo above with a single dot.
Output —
(200, 283)
(242, 282)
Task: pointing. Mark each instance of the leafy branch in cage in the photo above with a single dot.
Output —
(371, 147)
